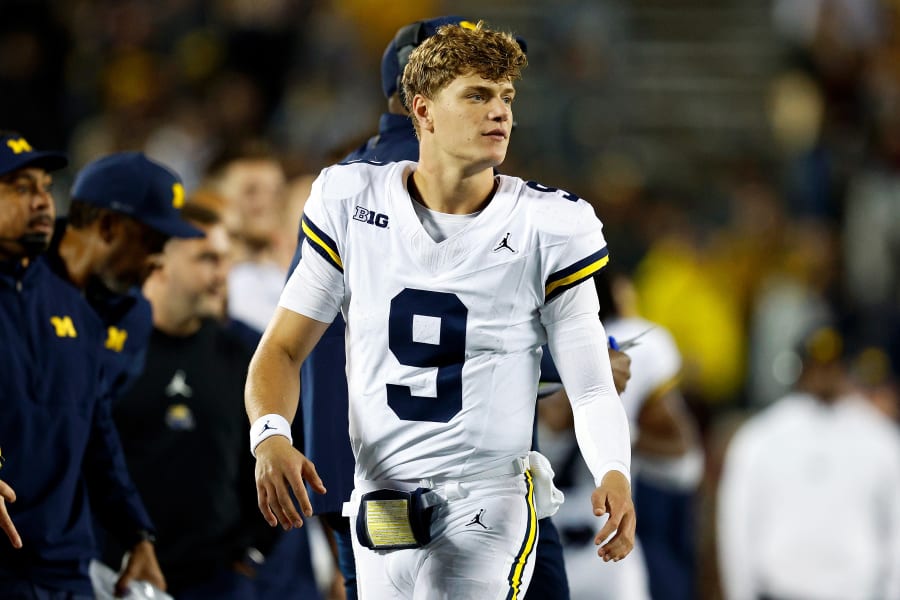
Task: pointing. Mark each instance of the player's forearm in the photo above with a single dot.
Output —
(273, 379)
(601, 429)
(601, 425)
(273, 383)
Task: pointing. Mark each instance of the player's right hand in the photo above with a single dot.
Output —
(621, 368)
(280, 470)
(8, 495)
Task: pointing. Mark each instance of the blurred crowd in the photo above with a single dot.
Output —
(247, 100)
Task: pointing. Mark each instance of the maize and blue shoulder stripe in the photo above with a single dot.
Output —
(321, 243)
(574, 274)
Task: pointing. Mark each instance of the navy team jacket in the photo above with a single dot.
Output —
(57, 438)
(127, 323)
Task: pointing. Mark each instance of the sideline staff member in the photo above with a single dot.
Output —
(55, 441)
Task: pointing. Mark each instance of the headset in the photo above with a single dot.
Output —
(406, 40)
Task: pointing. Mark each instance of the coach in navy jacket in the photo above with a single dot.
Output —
(124, 207)
(57, 440)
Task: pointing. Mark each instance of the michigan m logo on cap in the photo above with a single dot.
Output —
(177, 195)
(18, 146)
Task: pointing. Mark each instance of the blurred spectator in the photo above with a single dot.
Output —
(871, 232)
(185, 141)
(795, 296)
(680, 287)
(820, 455)
(253, 184)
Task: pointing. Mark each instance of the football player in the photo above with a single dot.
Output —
(450, 279)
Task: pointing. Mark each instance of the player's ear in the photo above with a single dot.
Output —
(421, 112)
(108, 226)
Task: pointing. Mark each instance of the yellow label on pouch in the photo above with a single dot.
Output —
(387, 522)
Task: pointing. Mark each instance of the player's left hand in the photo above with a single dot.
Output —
(142, 564)
(613, 497)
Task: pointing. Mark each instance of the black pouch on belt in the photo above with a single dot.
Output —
(394, 519)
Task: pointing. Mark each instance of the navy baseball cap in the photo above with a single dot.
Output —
(405, 40)
(132, 184)
(16, 153)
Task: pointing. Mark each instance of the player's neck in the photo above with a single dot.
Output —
(451, 193)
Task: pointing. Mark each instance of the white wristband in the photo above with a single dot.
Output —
(265, 427)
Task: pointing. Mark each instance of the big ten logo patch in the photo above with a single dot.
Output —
(371, 217)
(63, 327)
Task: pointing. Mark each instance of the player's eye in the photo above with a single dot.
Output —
(27, 188)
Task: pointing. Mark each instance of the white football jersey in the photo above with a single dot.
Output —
(443, 339)
(655, 362)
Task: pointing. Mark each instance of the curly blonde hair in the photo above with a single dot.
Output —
(457, 50)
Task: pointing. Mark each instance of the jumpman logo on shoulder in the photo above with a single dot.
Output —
(476, 520)
(266, 427)
(504, 243)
